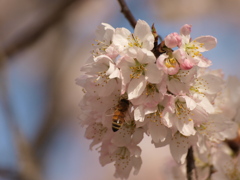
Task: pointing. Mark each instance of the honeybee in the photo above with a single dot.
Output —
(118, 118)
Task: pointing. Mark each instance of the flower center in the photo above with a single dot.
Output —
(98, 131)
(179, 75)
(200, 86)
(182, 112)
(192, 48)
(170, 62)
(102, 79)
(156, 116)
(151, 89)
(137, 70)
(101, 47)
(134, 41)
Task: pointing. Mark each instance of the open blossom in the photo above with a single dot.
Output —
(133, 86)
(137, 68)
(179, 146)
(125, 158)
(184, 62)
(101, 73)
(194, 48)
(168, 64)
(142, 37)
(227, 167)
(104, 34)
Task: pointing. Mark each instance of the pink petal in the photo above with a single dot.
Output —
(172, 40)
(186, 30)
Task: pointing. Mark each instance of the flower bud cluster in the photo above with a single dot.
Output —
(130, 91)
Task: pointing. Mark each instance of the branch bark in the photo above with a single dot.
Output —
(37, 29)
(191, 168)
(127, 13)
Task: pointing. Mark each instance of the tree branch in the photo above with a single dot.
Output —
(191, 168)
(127, 13)
(31, 34)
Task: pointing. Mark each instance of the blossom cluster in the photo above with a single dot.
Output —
(134, 86)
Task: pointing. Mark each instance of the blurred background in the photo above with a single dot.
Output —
(44, 43)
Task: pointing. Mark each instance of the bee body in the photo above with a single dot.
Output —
(118, 118)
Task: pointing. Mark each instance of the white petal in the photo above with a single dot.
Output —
(104, 90)
(206, 105)
(153, 74)
(104, 32)
(136, 87)
(179, 147)
(158, 132)
(139, 114)
(119, 38)
(209, 42)
(137, 136)
(185, 126)
(113, 71)
(191, 104)
(137, 163)
(143, 32)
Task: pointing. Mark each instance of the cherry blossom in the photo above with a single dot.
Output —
(194, 48)
(227, 168)
(104, 34)
(142, 37)
(137, 68)
(170, 96)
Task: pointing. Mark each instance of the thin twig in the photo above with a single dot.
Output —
(191, 168)
(127, 13)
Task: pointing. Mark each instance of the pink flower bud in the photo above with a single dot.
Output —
(186, 64)
(185, 29)
(172, 40)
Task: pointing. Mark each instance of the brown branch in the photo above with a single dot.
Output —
(37, 29)
(191, 168)
(127, 13)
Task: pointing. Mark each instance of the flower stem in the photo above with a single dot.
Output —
(127, 13)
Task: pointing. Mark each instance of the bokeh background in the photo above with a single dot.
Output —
(44, 43)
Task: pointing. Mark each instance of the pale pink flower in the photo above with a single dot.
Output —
(104, 34)
(137, 68)
(168, 64)
(228, 102)
(96, 132)
(142, 37)
(127, 134)
(183, 60)
(187, 114)
(179, 146)
(180, 83)
(194, 48)
(125, 159)
(227, 168)
(217, 128)
(101, 75)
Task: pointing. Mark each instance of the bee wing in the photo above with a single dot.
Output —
(129, 114)
(110, 112)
